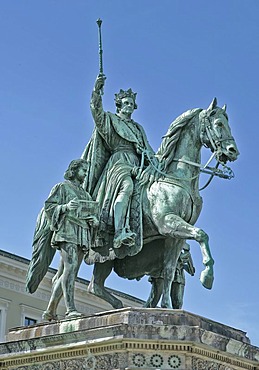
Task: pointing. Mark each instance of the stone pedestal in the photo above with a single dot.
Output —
(128, 339)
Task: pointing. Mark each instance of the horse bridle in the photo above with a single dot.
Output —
(214, 140)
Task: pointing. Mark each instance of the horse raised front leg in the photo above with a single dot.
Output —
(174, 226)
(100, 273)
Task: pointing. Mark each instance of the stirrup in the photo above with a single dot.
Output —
(123, 237)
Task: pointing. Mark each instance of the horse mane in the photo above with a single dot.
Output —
(167, 148)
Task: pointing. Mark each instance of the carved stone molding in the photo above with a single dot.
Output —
(129, 339)
(200, 364)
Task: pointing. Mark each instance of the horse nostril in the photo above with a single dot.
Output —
(231, 149)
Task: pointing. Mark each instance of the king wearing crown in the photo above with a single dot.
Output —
(118, 152)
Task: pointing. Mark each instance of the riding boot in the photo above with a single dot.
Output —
(123, 235)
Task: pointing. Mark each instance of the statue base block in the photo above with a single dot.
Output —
(127, 339)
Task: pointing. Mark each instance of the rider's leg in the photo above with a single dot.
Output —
(120, 213)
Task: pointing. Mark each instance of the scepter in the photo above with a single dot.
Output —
(99, 23)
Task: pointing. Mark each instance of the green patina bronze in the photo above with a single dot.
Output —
(149, 203)
(66, 224)
(184, 264)
(120, 157)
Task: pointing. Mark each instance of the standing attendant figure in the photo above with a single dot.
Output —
(65, 223)
(184, 264)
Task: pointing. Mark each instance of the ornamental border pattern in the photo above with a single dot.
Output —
(133, 349)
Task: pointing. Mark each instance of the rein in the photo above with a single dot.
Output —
(225, 173)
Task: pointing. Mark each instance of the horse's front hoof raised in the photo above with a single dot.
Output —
(207, 278)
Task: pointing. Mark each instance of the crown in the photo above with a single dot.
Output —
(125, 94)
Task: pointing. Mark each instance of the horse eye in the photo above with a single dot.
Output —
(219, 124)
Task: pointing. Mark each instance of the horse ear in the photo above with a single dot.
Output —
(213, 104)
(224, 107)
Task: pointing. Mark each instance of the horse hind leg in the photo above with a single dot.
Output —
(156, 292)
(177, 294)
(100, 273)
(174, 226)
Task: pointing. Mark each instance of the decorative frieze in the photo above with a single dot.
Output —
(158, 360)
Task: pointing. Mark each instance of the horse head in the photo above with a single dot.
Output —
(216, 133)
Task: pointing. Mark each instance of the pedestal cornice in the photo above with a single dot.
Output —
(130, 339)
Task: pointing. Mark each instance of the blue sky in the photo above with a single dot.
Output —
(176, 55)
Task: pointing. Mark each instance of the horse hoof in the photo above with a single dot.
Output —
(49, 316)
(72, 314)
(166, 305)
(206, 279)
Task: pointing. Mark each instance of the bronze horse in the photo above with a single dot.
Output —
(172, 205)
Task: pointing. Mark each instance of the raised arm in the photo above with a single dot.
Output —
(96, 104)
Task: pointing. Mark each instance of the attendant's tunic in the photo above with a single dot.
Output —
(67, 226)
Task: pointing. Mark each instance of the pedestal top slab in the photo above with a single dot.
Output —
(135, 328)
(164, 320)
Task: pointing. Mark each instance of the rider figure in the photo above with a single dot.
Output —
(128, 147)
